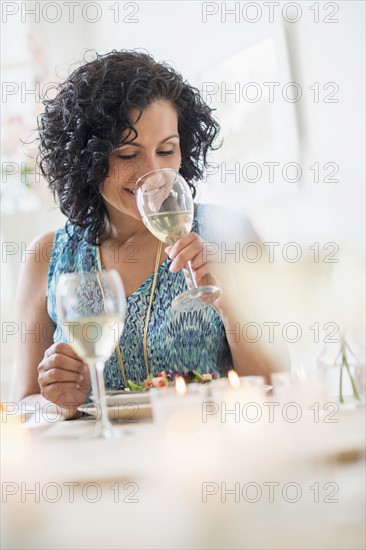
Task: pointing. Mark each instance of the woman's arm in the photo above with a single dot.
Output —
(44, 372)
(249, 358)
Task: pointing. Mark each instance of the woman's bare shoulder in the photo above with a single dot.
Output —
(35, 265)
(38, 252)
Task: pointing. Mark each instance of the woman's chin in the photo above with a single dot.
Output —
(133, 213)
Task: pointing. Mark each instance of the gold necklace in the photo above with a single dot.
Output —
(146, 327)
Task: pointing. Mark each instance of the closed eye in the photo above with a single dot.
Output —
(161, 153)
(126, 157)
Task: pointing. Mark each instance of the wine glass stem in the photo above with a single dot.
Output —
(191, 276)
(93, 378)
(101, 396)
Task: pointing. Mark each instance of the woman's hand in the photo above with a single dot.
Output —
(192, 248)
(189, 248)
(63, 378)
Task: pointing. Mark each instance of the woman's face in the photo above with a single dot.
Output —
(157, 146)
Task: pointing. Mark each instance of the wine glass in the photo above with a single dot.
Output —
(165, 203)
(92, 308)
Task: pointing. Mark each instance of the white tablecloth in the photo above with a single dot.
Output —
(189, 484)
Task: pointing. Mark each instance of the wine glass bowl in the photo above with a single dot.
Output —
(166, 206)
(92, 307)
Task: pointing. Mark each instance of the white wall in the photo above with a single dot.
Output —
(333, 131)
(328, 132)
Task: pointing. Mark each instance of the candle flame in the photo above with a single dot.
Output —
(234, 379)
(180, 386)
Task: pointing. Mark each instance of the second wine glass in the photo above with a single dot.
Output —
(92, 308)
(166, 206)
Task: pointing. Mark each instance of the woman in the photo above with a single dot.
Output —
(113, 120)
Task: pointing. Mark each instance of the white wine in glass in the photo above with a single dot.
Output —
(93, 337)
(166, 206)
(92, 308)
(169, 226)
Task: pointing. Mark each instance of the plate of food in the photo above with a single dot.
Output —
(139, 392)
(123, 397)
(167, 378)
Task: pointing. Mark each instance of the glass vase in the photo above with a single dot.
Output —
(343, 370)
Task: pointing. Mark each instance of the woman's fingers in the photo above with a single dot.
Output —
(62, 349)
(52, 376)
(187, 248)
(64, 387)
(191, 248)
(62, 356)
(180, 244)
(62, 376)
(58, 360)
(56, 390)
(65, 395)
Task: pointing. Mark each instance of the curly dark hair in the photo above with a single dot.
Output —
(83, 123)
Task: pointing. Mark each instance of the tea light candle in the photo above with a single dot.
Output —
(242, 405)
(167, 403)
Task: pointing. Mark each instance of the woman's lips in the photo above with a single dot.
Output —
(130, 191)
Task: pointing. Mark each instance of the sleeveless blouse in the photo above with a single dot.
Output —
(180, 341)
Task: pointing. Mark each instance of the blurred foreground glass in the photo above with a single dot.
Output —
(217, 389)
(299, 386)
(169, 407)
(165, 203)
(92, 308)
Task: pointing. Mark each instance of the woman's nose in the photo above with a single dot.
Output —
(149, 165)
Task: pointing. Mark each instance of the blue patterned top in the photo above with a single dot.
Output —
(182, 341)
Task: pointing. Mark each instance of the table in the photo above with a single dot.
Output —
(281, 485)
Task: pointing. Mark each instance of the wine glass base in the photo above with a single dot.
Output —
(197, 298)
(107, 432)
(99, 429)
(102, 432)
